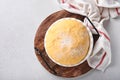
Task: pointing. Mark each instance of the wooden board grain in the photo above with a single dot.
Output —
(43, 57)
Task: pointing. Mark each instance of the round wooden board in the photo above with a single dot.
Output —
(41, 53)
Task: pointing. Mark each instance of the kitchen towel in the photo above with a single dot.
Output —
(97, 11)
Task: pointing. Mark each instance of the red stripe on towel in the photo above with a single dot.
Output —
(62, 1)
(72, 6)
(117, 11)
(101, 60)
(104, 35)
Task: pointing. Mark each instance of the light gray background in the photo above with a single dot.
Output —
(19, 20)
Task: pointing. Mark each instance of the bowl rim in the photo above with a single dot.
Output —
(89, 50)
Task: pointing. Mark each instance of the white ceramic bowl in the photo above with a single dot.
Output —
(90, 47)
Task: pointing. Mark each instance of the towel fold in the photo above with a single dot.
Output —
(97, 11)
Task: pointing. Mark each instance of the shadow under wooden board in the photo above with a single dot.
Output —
(47, 63)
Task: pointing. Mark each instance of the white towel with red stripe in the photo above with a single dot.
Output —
(97, 11)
